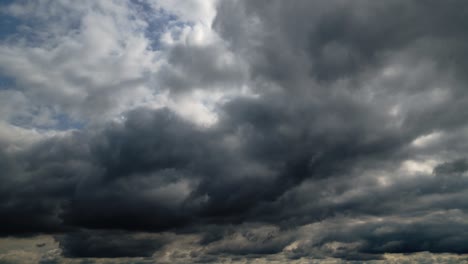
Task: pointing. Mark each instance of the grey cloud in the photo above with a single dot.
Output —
(372, 237)
(337, 39)
(85, 244)
(457, 166)
(191, 66)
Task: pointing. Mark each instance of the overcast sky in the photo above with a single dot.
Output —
(233, 131)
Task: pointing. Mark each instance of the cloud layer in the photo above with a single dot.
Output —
(237, 130)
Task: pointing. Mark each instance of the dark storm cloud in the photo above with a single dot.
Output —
(35, 181)
(330, 158)
(124, 170)
(87, 188)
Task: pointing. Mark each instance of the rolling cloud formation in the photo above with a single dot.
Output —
(247, 129)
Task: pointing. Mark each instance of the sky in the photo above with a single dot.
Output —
(233, 131)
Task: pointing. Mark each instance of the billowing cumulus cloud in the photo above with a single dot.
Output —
(233, 131)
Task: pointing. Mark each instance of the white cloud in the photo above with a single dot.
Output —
(91, 61)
